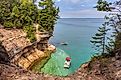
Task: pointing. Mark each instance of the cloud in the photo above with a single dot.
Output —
(82, 5)
(89, 13)
(79, 9)
(58, 0)
(78, 1)
(66, 5)
(83, 1)
(75, 1)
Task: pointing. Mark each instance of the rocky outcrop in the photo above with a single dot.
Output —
(14, 73)
(17, 49)
(20, 51)
(13, 40)
(4, 57)
(98, 69)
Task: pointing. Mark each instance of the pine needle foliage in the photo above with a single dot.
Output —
(113, 20)
(99, 39)
(23, 14)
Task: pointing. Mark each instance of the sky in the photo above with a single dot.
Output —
(79, 9)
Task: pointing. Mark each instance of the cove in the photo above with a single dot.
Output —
(77, 32)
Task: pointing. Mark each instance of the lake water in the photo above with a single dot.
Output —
(77, 32)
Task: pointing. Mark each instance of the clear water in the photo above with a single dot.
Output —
(55, 64)
(77, 33)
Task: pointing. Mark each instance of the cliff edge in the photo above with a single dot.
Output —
(106, 68)
(20, 50)
(16, 49)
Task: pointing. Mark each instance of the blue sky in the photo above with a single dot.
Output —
(79, 9)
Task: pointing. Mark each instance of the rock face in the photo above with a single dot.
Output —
(98, 69)
(15, 73)
(94, 70)
(4, 57)
(19, 50)
(16, 48)
(13, 40)
(118, 54)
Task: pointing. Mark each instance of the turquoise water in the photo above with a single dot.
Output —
(55, 65)
(77, 33)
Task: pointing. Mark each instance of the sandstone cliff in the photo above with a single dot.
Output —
(20, 50)
(17, 49)
(99, 68)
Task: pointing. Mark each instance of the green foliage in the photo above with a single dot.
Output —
(15, 11)
(8, 24)
(30, 30)
(99, 39)
(48, 14)
(114, 21)
(5, 11)
(103, 5)
(23, 14)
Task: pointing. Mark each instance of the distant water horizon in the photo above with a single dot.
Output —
(80, 18)
(76, 32)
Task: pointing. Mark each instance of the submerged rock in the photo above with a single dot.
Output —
(64, 43)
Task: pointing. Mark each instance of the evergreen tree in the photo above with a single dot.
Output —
(103, 5)
(23, 14)
(114, 20)
(49, 14)
(99, 40)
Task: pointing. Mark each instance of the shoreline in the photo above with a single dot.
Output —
(95, 69)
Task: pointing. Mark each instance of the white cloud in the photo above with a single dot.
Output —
(89, 13)
(75, 1)
(58, 0)
(82, 5)
(72, 1)
(83, 1)
(79, 1)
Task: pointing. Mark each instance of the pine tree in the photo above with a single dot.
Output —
(23, 14)
(114, 19)
(99, 40)
(49, 14)
(103, 5)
